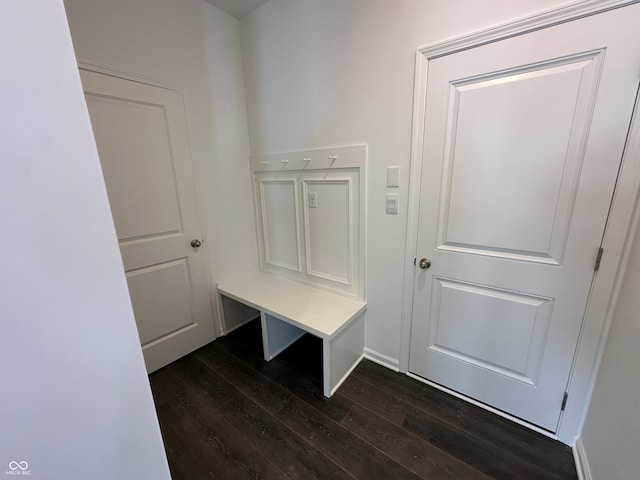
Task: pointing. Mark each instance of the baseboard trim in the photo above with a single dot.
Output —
(382, 359)
(580, 458)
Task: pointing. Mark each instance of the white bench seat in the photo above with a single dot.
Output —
(289, 309)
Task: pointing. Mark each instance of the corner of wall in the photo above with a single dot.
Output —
(382, 359)
(580, 458)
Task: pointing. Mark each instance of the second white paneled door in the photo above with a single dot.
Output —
(522, 146)
(142, 140)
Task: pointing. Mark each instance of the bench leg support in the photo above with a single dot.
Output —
(277, 335)
(341, 354)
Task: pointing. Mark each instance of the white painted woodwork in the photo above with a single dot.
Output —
(522, 319)
(495, 131)
(317, 159)
(142, 140)
(289, 309)
(342, 354)
(277, 335)
(161, 295)
(235, 314)
(317, 311)
(320, 244)
(329, 228)
(279, 216)
(522, 143)
(310, 224)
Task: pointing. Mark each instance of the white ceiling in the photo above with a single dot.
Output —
(237, 8)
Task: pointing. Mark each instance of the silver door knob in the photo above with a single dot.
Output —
(424, 263)
(195, 243)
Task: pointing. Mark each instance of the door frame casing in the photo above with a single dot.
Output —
(107, 69)
(619, 231)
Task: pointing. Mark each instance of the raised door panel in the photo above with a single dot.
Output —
(498, 330)
(144, 202)
(161, 298)
(513, 155)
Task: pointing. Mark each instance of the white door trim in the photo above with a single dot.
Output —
(621, 226)
(527, 24)
(98, 67)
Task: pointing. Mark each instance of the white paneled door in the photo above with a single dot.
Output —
(522, 144)
(142, 140)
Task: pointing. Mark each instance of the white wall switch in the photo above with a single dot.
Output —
(392, 203)
(393, 176)
(313, 199)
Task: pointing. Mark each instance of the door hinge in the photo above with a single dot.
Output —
(598, 259)
(564, 401)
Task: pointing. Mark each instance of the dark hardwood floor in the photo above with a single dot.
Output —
(226, 413)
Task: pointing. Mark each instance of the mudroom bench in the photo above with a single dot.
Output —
(289, 309)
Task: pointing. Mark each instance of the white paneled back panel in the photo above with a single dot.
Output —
(279, 201)
(328, 204)
(310, 217)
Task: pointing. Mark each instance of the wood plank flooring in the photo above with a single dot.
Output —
(225, 413)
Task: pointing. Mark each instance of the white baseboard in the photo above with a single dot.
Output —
(382, 359)
(582, 464)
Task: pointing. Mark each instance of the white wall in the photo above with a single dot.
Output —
(335, 72)
(75, 399)
(196, 46)
(611, 432)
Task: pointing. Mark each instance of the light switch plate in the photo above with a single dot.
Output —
(393, 176)
(313, 199)
(392, 203)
